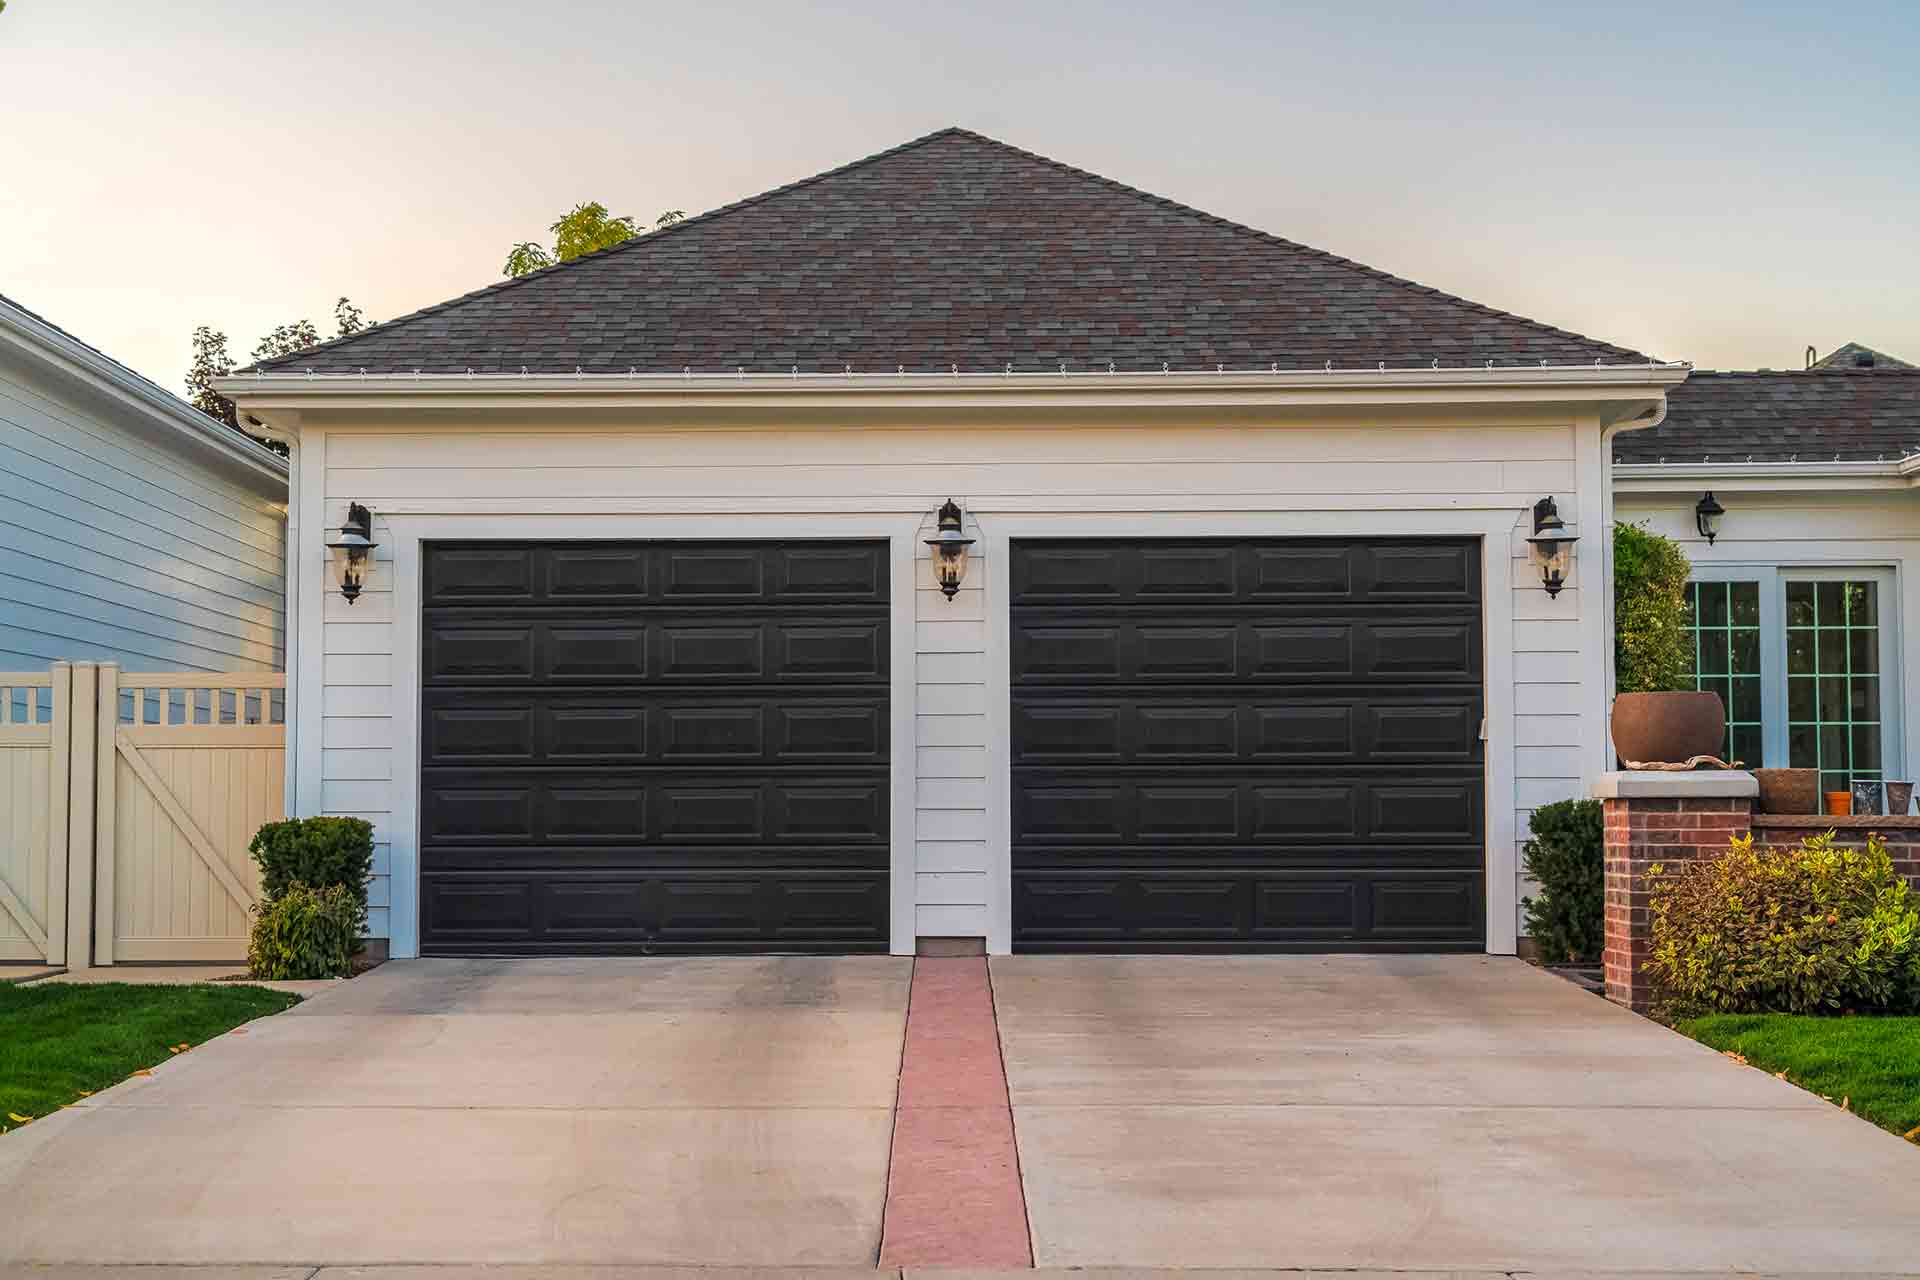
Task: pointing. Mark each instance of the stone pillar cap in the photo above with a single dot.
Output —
(1655, 784)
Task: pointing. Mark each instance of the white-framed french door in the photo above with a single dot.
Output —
(1807, 659)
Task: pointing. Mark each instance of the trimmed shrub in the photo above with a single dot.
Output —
(320, 853)
(305, 933)
(1818, 928)
(1566, 854)
(1652, 652)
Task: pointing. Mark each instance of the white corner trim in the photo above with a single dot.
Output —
(1654, 784)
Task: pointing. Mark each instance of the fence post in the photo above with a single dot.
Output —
(80, 800)
(59, 760)
(106, 780)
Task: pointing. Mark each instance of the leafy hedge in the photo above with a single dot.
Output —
(1566, 854)
(305, 933)
(1816, 928)
(1652, 651)
(314, 872)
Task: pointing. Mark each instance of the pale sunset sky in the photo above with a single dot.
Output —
(1724, 183)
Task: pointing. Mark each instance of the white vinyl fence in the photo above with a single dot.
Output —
(129, 803)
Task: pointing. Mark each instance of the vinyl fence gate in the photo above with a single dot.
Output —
(129, 801)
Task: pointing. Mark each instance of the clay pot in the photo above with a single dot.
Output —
(1668, 728)
(1899, 799)
(1839, 803)
(1789, 790)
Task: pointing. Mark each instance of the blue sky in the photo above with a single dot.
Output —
(1716, 182)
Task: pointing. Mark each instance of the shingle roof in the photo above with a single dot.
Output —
(951, 249)
(1857, 355)
(1815, 415)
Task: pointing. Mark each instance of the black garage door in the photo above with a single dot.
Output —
(1247, 745)
(667, 746)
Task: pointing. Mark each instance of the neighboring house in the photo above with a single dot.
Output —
(1807, 618)
(137, 529)
(1252, 651)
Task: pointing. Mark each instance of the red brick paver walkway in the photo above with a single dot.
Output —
(953, 1189)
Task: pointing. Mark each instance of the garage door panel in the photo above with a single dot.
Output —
(633, 727)
(1247, 743)
(606, 913)
(1264, 911)
(636, 746)
(1089, 649)
(1273, 808)
(1298, 730)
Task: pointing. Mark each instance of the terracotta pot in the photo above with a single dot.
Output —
(1899, 799)
(1668, 728)
(1789, 790)
(1839, 804)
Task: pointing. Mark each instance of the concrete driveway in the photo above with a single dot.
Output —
(1417, 1113)
(724, 1111)
(1379, 1114)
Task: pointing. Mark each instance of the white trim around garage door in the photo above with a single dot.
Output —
(1495, 531)
(409, 531)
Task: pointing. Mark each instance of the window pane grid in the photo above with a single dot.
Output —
(1833, 680)
(1724, 620)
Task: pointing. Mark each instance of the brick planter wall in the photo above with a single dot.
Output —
(1675, 817)
(1641, 831)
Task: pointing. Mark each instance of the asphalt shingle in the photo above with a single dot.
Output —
(953, 249)
(1814, 415)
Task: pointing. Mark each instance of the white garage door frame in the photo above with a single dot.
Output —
(1493, 528)
(406, 533)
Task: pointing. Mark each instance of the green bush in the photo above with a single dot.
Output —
(317, 852)
(1816, 928)
(1566, 854)
(305, 933)
(1652, 650)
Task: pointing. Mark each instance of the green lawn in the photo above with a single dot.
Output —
(1873, 1064)
(61, 1040)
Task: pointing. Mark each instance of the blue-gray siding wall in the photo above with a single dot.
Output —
(114, 547)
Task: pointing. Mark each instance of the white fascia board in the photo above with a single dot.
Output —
(1631, 391)
(1766, 477)
(171, 419)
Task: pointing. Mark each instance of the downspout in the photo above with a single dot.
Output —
(1606, 535)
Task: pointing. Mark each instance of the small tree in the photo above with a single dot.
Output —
(586, 228)
(211, 360)
(1652, 652)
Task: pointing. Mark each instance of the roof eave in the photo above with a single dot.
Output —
(185, 425)
(1627, 389)
(1767, 477)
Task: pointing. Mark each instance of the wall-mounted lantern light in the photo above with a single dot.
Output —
(950, 545)
(1706, 517)
(352, 548)
(1552, 544)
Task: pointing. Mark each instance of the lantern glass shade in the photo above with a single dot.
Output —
(949, 545)
(352, 548)
(1552, 544)
(1706, 516)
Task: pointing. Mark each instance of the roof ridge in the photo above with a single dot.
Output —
(1270, 238)
(632, 242)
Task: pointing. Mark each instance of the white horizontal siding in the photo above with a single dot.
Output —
(114, 549)
(1453, 463)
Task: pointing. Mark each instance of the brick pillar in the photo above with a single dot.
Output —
(1658, 817)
